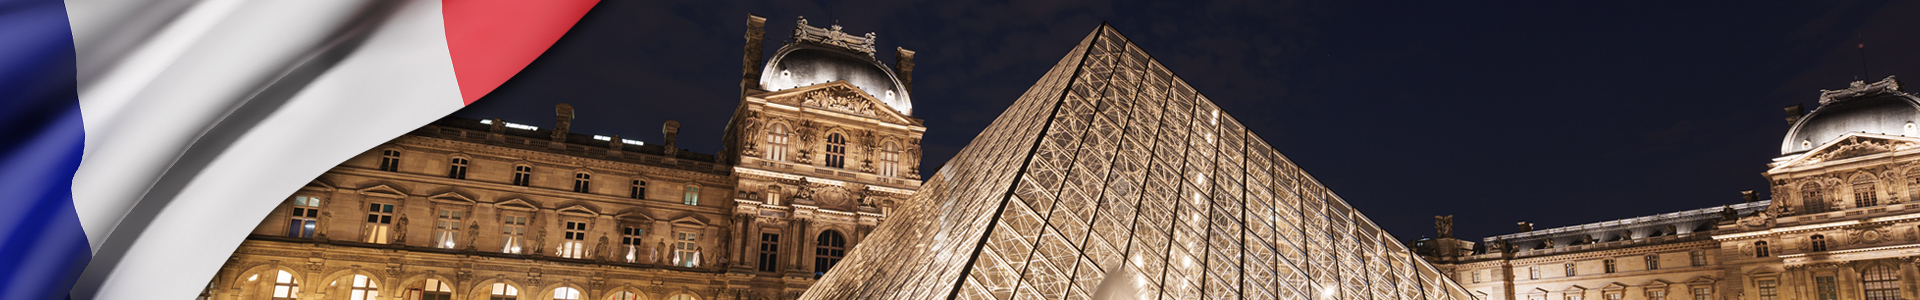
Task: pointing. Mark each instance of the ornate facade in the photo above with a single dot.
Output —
(1844, 224)
(1113, 179)
(819, 151)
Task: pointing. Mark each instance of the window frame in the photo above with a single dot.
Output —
(582, 182)
(303, 216)
(769, 254)
(378, 228)
(457, 167)
(389, 160)
(836, 150)
(522, 175)
(777, 136)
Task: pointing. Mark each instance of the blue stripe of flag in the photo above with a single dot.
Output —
(42, 247)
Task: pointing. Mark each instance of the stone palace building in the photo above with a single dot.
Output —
(1844, 223)
(821, 148)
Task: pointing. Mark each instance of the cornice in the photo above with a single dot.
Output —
(515, 154)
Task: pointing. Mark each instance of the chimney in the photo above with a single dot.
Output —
(750, 64)
(903, 67)
(562, 120)
(1750, 196)
(1525, 226)
(1794, 113)
(672, 131)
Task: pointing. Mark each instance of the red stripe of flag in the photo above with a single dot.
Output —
(490, 40)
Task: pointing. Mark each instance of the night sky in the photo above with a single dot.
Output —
(1552, 112)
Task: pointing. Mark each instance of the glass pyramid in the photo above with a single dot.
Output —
(1113, 179)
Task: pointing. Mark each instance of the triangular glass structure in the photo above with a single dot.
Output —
(1113, 179)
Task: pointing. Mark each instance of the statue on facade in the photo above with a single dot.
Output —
(321, 228)
(1444, 225)
(400, 230)
(539, 241)
(600, 250)
(473, 235)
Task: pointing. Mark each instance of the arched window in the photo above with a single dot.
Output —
(682, 297)
(836, 150)
(363, 288)
(284, 286)
(503, 291)
(889, 160)
(1863, 193)
(1810, 196)
(433, 289)
(457, 169)
(1881, 283)
(638, 190)
(566, 293)
(832, 247)
(777, 142)
(304, 217)
(624, 295)
(390, 160)
(1760, 249)
(582, 182)
(1819, 242)
(522, 175)
(1913, 184)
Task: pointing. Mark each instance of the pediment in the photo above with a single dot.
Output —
(579, 210)
(1537, 291)
(383, 191)
(1852, 145)
(1656, 283)
(839, 96)
(1575, 288)
(635, 214)
(452, 198)
(318, 185)
(516, 204)
(694, 221)
(1614, 286)
(1701, 280)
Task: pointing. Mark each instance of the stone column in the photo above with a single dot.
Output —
(800, 252)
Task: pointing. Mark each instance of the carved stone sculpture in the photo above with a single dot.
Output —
(1444, 225)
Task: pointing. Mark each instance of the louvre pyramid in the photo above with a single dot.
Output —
(1113, 179)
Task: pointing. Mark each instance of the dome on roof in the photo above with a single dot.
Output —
(1878, 108)
(803, 64)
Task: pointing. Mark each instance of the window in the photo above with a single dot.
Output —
(685, 252)
(630, 238)
(1702, 293)
(434, 289)
(1609, 265)
(685, 296)
(1653, 261)
(638, 190)
(304, 217)
(836, 151)
(502, 291)
(890, 160)
(513, 231)
(1819, 242)
(1573, 297)
(1660, 294)
(284, 286)
(566, 293)
(1760, 249)
(832, 247)
(1881, 283)
(773, 194)
(522, 175)
(1533, 272)
(692, 196)
(390, 160)
(582, 182)
(446, 229)
(1614, 295)
(573, 242)
(457, 169)
(1699, 258)
(1824, 289)
(777, 142)
(624, 295)
(1913, 183)
(363, 288)
(769, 252)
(379, 222)
(1863, 193)
(1476, 276)
(1769, 289)
(1811, 197)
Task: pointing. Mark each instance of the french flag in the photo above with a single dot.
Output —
(141, 140)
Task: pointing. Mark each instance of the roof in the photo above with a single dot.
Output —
(817, 55)
(1878, 108)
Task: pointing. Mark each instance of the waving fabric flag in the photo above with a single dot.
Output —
(144, 139)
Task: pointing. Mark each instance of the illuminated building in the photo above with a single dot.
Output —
(1113, 179)
(820, 150)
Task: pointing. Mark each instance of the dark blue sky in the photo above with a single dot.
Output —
(1553, 112)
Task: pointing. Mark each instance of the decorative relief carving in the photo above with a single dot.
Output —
(1858, 89)
(839, 98)
(1857, 147)
(832, 36)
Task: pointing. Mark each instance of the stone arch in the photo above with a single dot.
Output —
(258, 279)
(484, 288)
(637, 293)
(547, 291)
(407, 283)
(1874, 187)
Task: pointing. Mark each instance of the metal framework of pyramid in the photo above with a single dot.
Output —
(1113, 179)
